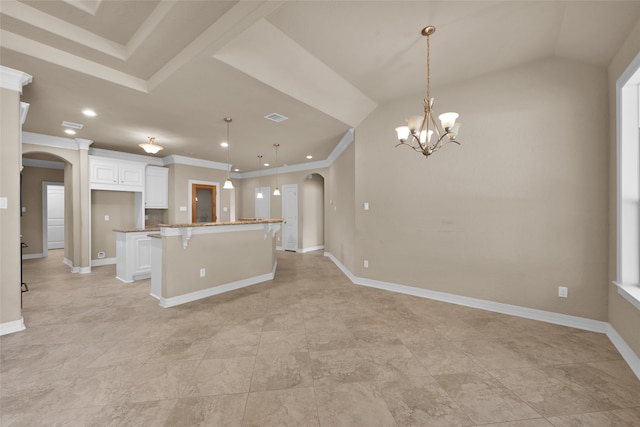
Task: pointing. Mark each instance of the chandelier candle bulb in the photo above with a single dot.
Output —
(403, 133)
(448, 120)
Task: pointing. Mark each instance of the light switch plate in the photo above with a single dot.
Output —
(3, 203)
(183, 208)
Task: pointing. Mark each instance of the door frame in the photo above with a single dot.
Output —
(190, 193)
(284, 187)
(45, 215)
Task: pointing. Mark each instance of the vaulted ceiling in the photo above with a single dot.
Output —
(174, 69)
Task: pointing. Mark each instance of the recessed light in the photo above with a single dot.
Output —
(236, 170)
(266, 164)
(89, 112)
(309, 157)
(70, 131)
(224, 144)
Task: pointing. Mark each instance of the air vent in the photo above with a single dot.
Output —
(275, 117)
(72, 125)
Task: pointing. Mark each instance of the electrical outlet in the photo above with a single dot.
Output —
(563, 291)
(366, 206)
(366, 263)
(202, 272)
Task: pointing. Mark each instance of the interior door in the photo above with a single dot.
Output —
(203, 203)
(290, 217)
(55, 216)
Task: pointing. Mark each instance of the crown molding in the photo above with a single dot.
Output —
(190, 161)
(13, 79)
(119, 155)
(75, 144)
(49, 141)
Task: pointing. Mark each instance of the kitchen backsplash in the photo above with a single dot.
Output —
(155, 217)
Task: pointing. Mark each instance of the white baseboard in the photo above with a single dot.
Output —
(311, 249)
(627, 353)
(68, 263)
(279, 248)
(84, 270)
(215, 290)
(12, 327)
(103, 261)
(32, 256)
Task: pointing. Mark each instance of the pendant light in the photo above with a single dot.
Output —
(228, 185)
(276, 192)
(259, 195)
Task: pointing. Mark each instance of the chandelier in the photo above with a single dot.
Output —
(151, 147)
(276, 192)
(419, 130)
(228, 185)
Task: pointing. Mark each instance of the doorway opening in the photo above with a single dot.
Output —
(313, 213)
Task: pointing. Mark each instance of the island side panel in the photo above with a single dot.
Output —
(226, 258)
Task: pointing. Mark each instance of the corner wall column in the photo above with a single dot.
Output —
(83, 228)
(11, 83)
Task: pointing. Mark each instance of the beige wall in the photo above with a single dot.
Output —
(313, 212)
(340, 208)
(180, 194)
(305, 225)
(10, 310)
(624, 317)
(31, 220)
(518, 210)
(120, 207)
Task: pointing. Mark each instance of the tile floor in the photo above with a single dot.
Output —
(306, 349)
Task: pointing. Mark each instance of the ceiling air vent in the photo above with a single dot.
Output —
(72, 125)
(275, 117)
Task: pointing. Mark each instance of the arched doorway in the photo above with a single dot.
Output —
(313, 213)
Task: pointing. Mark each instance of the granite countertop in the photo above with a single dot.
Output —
(136, 230)
(216, 224)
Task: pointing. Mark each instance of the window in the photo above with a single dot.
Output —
(628, 185)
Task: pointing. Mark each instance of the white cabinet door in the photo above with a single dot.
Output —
(156, 188)
(132, 175)
(116, 175)
(103, 172)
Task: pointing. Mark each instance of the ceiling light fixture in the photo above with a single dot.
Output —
(417, 134)
(309, 157)
(89, 112)
(276, 192)
(151, 147)
(228, 185)
(70, 131)
(259, 195)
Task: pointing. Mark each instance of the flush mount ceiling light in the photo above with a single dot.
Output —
(276, 192)
(259, 195)
(151, 147)
(228, 185)
(417, 134)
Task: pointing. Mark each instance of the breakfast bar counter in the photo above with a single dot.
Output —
(194, 261)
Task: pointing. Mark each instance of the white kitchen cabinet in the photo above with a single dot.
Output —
(133, 255)
(156, 195)
(116, 175)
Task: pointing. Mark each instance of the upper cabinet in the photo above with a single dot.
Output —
(156, 188)
(117, 175)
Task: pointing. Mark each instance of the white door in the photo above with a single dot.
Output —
(55, 216)
(263, 205)
(290, 216)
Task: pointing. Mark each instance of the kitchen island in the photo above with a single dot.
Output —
(195, 261)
